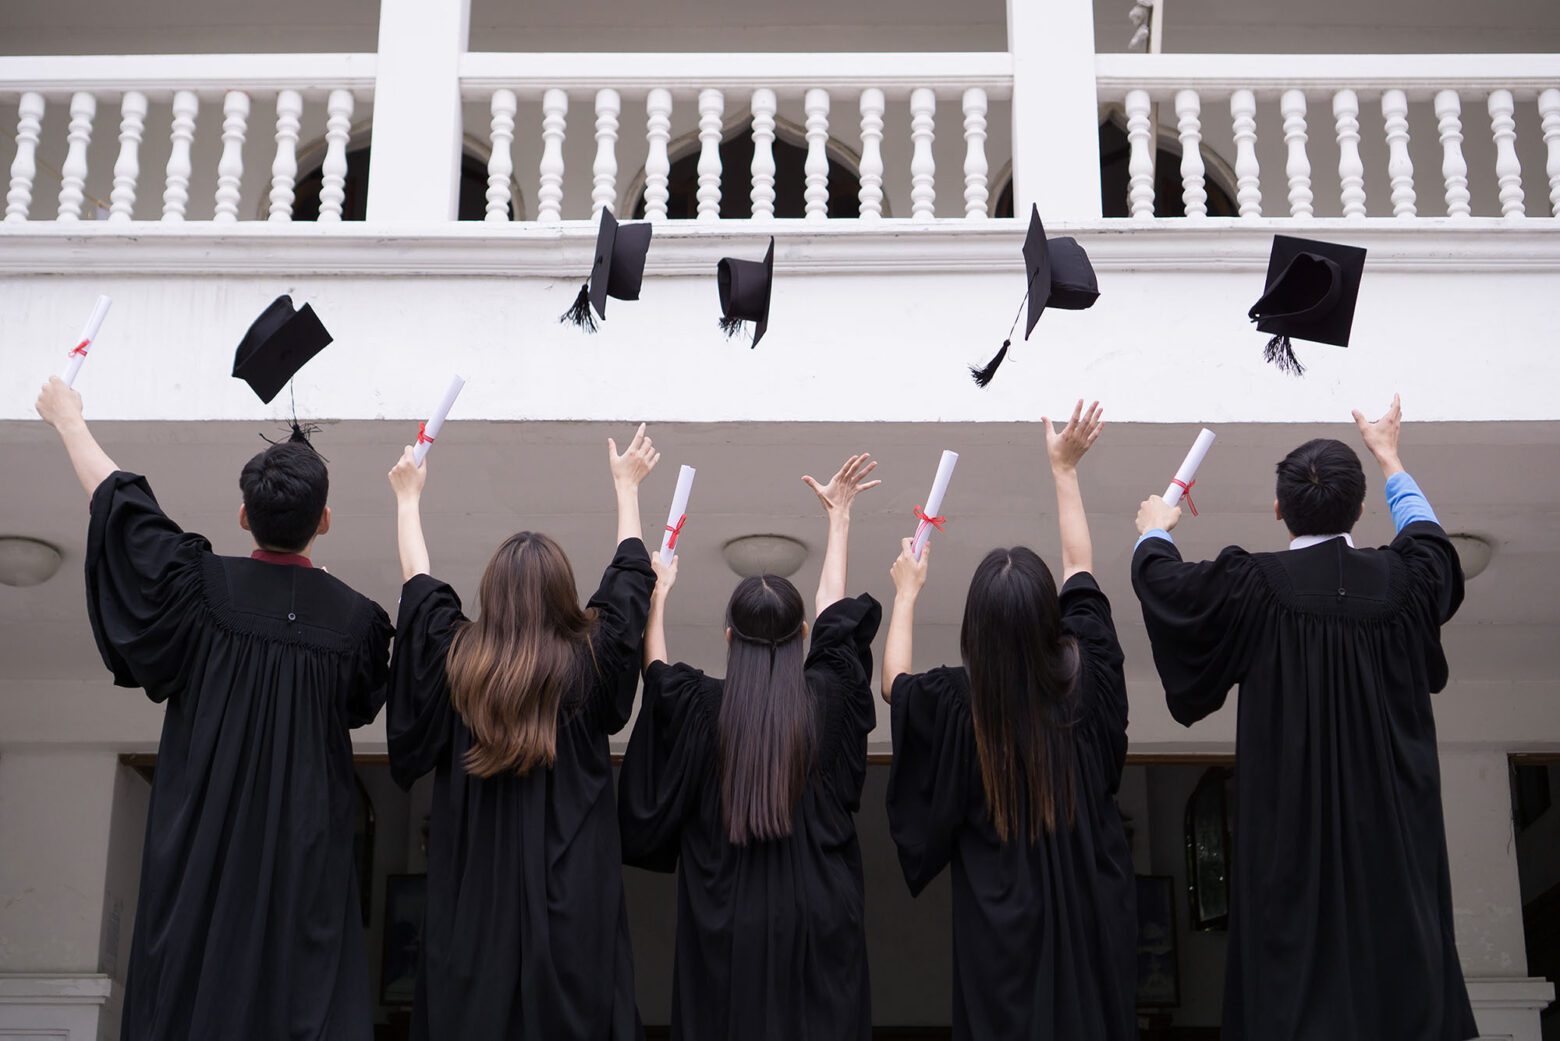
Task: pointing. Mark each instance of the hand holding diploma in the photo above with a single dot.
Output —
(1186, 476)
(430, 430)
(89, 333)
(930, 516)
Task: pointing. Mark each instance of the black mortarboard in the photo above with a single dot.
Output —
(744, 292)
(1310, 295)
(618, 270)
(1059, 275)
(277, 345)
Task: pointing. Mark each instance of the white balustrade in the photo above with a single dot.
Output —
(1140, 158)
(1351, 169)
(658, 167)
(1454, 169)
(1508, 171)
(127, 168)
(816, 166)
(1549, 116)
(73, 171)
(1297, 168)
(923, 169)
(712, 106)
(1400, 168)
(501, 159)
(603, 194)
(1248, 182)
(230, 168)
(976, 193)
(333, 173)
(284, 168)
(871, 194)
(24, 167)
(176, 190)
(549, 196)
(762, 194)
(1194, 196)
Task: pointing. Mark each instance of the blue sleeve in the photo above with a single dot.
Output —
(1152, 533)
(1407, 503)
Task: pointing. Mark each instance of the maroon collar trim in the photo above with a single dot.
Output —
(295, 559)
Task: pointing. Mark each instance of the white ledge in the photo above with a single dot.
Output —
(54, 989)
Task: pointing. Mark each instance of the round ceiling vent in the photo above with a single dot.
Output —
(752, 555)
(26, 562)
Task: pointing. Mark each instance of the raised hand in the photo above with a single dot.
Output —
(908, 573)
(635, 462)
(406, 477)
(1067, 446)
(843, 487)
(1381, 435)
(58, 403)
(1154, 512)
(665, 573)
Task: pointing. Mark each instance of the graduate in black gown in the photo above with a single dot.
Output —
(526, 934)
(1006, 770)
(248, 922)
(748, 787)
(1341, 908)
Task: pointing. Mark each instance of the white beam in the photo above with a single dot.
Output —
(1056, 147)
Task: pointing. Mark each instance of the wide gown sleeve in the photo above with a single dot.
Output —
(421, 718)
(839, 670)
(1436, 578)
(666, 764)
(370, 684)
(930, 777)
(144, 588)
(1086, 614)
(622, 605)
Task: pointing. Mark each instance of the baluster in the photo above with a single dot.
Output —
(73, 171)
(284, 168)
(1400, 168)
(603, 194)
(1454, 169)
(658, 130)
(763, 168)
(816, 167)
(18, 200)
(230, 168)
(1188, 113)
(1298, 166)
(1248, 174)
(1351, 170)
(333, 172)
(712, 105)
(1140, 161)
(1549, 113)
(501, 159)
(976, 193)
(176, 192)
(923, 169)
(127, 168)
(549, 196)
(1508, 170)
(871, 194)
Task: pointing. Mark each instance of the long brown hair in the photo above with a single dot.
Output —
(509, 670)
(1023, 671)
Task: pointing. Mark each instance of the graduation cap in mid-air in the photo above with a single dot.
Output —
(277, 345)
(1059, 275)
(618, 270)
(1310, 295)
(745, 287)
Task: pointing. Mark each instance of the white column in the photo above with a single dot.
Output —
(284, 168)
(176, 190)
(1194, 194)
(1400, 168)
(18, 199)
(871, 194)
(1056, 136)
(923, 169)
(762, 173)
(976, 192)
(712, 105)
(1351, 170)
(1508, 171)
(658, 130)
(603, 192)
(1140, 158)
(501, 160)
(815, 104)
(1248, 174)
(549, 195)
(414, 172)
(1298, 166)
(333, 171)
(230, 168)
(1454, 168)
(127, 168)
(1549, 123)
(73, 171)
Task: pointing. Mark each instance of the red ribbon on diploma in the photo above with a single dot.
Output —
(671, 543)
(1186, 493)
(936, 522)
(424, 439)
(80, 348)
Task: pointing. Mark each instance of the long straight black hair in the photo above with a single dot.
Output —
(1023, 671)
(766, 712)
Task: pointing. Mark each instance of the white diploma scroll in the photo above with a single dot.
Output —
(1187, 474)
(430, 430)
(929, 515)
(677, 514)
(78, 353)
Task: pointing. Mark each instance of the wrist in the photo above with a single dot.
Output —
(1059, 469)
(1390, 463)
(408, 500)
(626, 489)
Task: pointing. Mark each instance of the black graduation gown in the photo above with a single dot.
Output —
(1341, 905)
(1044, 933)
(771, 941)
(248, 923)
(526, 933)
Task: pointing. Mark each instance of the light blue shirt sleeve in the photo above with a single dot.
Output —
(1407, 503)
(1155, 533)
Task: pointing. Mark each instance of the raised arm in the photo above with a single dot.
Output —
(1066, 448)
(1407, 503)
(837, 497)
(628, 469)
(655, 624)
(407, 479)
(909, 576)
(60, 407)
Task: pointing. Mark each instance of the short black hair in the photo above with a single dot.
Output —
(1321, 487)
(284, 495)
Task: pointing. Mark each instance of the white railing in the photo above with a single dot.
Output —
(727, 88)
(227, 84)
(1507, 88)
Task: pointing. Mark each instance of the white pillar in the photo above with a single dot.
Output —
(414, 168)
(1056, 125)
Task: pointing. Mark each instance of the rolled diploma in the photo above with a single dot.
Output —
(934, 499)
(1188, 471)
(436, 423)
(678, 511)
(88, 336)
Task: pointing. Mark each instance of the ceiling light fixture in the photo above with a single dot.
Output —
(1474, 551)
(750, 555)
(26, 562)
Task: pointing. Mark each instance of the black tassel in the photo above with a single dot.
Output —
(731, 327)
(579, 313)
(299, 434)
(983, 376)
(1279, 352)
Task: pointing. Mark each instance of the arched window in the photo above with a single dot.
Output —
(473, 188)
(736, 166)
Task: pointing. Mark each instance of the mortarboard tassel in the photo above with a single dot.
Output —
(983, 376)
(731, 327)
(1281, 353)
(579, 312)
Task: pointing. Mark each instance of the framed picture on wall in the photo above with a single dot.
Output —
(1159, 975)
(405, 896)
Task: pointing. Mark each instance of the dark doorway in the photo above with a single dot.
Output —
(1535, 813)
(306, 201)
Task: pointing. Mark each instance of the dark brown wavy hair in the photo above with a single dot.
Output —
(510, 669)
